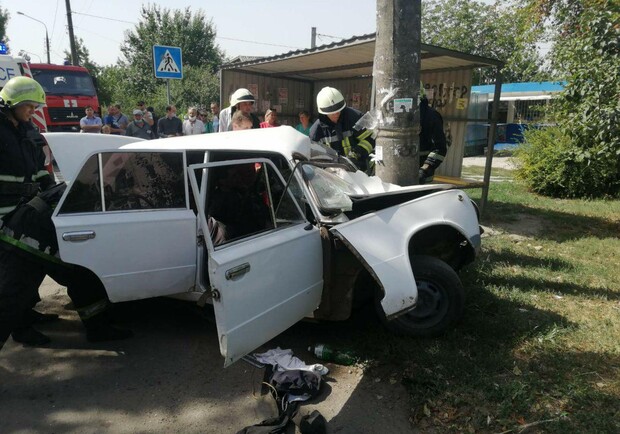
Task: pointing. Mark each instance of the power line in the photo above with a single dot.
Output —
(104, 18)
(217, 37)
(55, 15)
(259, 43)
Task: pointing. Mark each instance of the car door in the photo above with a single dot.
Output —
(126, 217)
(264, 277)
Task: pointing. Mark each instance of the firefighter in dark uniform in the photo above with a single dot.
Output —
(433, 147)
(335, 128)
(28, 245)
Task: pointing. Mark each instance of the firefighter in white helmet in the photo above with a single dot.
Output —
(335, 128)
(241, 99)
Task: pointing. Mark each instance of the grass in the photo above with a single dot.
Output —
(538, 349)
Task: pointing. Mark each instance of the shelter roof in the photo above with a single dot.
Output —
(351, 58)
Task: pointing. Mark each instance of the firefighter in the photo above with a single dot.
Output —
(28, 245)
(335, 129)
(433, 147)
(243, 100)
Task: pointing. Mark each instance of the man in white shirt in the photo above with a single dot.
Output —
(193, 125)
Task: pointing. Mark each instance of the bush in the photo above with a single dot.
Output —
(580, 157)
(551, 165)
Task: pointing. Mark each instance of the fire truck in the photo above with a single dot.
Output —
(68, 89)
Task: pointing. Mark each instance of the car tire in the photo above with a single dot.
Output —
(441, 299)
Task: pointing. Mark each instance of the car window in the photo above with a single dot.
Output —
(143, 180)
(85, 192)
(248, 199)
(131, 181)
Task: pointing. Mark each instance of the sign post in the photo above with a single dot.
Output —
(168, 64)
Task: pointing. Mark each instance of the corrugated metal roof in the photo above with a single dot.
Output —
(351, 58)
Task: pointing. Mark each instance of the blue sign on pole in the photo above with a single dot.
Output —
(167, 62)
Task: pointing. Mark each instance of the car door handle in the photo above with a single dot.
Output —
(237, 271)
(78, 236)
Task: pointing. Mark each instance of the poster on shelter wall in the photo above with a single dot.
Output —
(356, 99)
(283, 95)
(253, 88)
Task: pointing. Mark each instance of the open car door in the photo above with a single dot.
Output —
(264, 259)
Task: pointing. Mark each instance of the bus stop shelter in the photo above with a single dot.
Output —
(289, 82)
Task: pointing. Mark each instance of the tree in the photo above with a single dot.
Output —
(585, 53)
(499, 31)
(4, 19)
(193, 32)
(84, 56)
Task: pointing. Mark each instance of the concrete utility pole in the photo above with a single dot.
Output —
(396, 76)
(75, 60)
(313, 38)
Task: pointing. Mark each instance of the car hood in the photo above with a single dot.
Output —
(70, 150)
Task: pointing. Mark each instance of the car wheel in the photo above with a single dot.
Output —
(441, 299)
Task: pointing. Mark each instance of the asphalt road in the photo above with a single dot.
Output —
(169, 378)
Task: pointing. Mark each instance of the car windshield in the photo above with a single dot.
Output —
(331, 191)
(64, 82)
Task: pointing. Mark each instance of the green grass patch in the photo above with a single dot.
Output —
(538, 349)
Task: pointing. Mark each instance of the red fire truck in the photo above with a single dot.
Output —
(68, 89)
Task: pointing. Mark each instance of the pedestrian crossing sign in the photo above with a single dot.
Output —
(167, 62)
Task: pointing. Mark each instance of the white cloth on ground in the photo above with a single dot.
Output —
(283, 360)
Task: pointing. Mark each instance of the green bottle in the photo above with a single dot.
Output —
(328, 354)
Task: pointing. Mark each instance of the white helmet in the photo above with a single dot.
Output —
(330, 100)
(241, 95)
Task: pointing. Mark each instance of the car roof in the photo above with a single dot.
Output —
(71, 150)
(284, 140)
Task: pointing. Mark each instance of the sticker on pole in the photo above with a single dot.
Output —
(167, 62)
(402, 105)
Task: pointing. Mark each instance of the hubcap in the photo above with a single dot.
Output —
(432, 304)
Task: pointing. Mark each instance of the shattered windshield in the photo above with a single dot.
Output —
(331, 191)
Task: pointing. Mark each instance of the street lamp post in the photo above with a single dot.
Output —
(47, 39)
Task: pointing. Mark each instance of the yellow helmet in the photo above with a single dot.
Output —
(19, 90)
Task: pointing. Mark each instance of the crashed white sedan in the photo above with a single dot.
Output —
(266, 227)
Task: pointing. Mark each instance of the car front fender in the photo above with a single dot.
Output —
(380, 241)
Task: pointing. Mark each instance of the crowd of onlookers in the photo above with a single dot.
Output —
(145, 124)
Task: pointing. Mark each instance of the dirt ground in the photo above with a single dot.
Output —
(169, 379)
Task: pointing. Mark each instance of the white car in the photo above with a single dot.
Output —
(266, 226)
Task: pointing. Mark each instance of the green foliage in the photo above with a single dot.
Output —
(498, 31)
(4, 18)
(133, 79)
(84, 57)
(552, 166)
(582, 157)
(193, 32)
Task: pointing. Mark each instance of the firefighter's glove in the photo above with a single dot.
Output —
(426, 174)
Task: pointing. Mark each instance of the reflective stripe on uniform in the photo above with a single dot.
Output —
(365, 144)
(346, 146)
(11, 178)
(93, 309)
(436, 156)
(364, 135)
(29, 245)
(40, 174)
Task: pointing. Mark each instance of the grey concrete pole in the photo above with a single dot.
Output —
(396, 77)
(75, 60)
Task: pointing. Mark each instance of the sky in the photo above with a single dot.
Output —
(244, 27)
